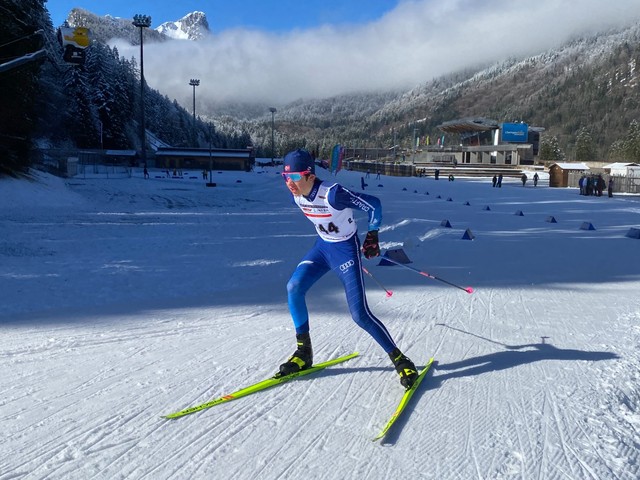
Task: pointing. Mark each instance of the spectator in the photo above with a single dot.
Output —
(600, 185)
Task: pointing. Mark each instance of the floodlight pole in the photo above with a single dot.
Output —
(414, 148)
(194, 82)
(273, 112)
(210, 159)
(142, 22)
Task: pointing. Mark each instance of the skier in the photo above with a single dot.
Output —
(329, 206)
(535, 179)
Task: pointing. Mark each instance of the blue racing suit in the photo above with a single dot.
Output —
(330, 208)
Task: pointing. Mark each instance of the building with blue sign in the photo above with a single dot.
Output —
(482, 141)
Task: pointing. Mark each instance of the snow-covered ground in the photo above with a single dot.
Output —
(126, 299)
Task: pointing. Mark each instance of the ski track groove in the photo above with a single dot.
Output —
(238, 419)
(309, 420)
(559, 431)
(113, 371)
(469, 437)
(278, 396)
(234, 424)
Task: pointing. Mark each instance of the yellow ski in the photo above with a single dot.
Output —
(404, 401)
(257, 387)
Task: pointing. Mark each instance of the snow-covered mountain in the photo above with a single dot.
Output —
(105, 28)
(193, 26)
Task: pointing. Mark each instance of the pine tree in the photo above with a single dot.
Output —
(19, 20)
(550, 150)
(81, 118)
(632, 142)
(585, 146)
(617, 151)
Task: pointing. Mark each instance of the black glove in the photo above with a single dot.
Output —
(370, 248)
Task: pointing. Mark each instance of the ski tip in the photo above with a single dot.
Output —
(468, 290)
(389, 293)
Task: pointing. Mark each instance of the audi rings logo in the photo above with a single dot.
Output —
(345, 266)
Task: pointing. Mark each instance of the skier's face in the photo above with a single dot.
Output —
(302, 186)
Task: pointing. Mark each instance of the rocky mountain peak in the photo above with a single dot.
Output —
(193, 26)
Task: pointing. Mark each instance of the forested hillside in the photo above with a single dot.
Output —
(586, 89)
(585, 94)
(54, 104)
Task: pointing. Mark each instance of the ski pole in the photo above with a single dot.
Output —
(389, 292)
(428, 275)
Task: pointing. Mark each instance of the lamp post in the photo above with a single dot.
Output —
(194, 82)
(414, 148)
(273, 113)
(210, 159)
(142, 22)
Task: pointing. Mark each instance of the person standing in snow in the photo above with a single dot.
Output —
(524, 179)
(600, 185)
(329, 206)
(535, 179)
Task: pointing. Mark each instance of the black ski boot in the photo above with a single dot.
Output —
(405, 368)
(301, 359)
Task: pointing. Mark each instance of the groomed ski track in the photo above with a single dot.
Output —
(536, 373)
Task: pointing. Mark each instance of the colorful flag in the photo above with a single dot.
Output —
(337, 154)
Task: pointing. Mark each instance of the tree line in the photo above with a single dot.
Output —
(93, 105)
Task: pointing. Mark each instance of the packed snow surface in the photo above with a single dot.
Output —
(127, 299)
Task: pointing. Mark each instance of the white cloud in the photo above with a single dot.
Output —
(414, 43)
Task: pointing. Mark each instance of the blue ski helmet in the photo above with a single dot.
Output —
(299, 161)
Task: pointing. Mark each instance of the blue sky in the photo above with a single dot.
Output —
(267, 15)
(278, 51)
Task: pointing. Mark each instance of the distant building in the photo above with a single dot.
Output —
(204, 158)
(564, 174)
(483, 141)
(619, 168)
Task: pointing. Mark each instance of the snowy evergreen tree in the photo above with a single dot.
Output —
(632, 142)
(550, 150)
(627, 149)
(585, 146)
(81, 116)
(19, 20)
(617, 151)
